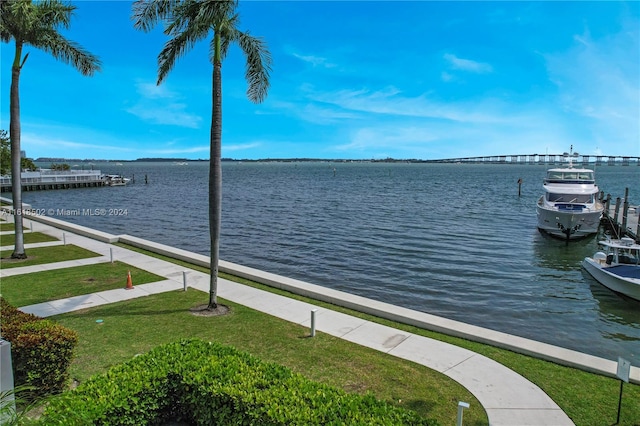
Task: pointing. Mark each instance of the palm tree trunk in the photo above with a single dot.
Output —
(14, 135)
(215, 175)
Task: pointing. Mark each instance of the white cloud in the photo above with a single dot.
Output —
(241, 147)
(153, 91)
(169, 114)
(315, 60)
(446, 77)
(467, 64)
(158, 105)
(598, 83)
(391, 102)
(173, 151)
(31, 140)
(314, 112)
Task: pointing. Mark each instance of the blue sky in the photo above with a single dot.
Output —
(357, 80)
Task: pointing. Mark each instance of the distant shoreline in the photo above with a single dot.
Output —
(263, 160)
(546, 159)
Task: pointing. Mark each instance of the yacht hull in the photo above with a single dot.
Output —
(568, 224)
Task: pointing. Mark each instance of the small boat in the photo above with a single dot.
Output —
(115, 180)
(569, 207)
(617, 267)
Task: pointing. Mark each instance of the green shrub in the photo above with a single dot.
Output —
(41, 350)
(211, 384)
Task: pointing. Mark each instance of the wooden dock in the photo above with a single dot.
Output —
(622, 218)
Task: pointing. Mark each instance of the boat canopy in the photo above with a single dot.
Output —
(623, 243)
(571, 189)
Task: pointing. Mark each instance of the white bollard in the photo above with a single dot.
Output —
(111, 254)
(313, 322)
(461, 407)
(64, 239)
(184, 280)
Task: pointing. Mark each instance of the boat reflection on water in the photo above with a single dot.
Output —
(555, 254)
(616, 308)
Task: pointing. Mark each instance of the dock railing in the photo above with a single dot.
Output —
(48, 176)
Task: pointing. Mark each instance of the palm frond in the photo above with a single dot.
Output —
(216, 11)
(146, 14)
(37, 23)
(228, 32)
(179, 45)
(68, 52)
(53, 13)
(258, 65)
(183, 15)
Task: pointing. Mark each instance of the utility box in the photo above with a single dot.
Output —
(6, 380)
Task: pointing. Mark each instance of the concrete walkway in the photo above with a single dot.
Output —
(508, 398)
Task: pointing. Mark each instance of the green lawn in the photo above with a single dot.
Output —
(29, 237)
(133, 327)
(7, 226)
(23, 290)
(41, 255)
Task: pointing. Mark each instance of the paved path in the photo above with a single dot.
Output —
(508, 398)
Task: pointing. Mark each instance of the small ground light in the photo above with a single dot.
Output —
(461, 407)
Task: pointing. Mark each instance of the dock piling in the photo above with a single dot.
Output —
(616, 213)
(625, 208)
(625, 223)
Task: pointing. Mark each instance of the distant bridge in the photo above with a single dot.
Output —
(578, 159)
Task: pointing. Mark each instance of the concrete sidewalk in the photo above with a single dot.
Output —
(508, 398)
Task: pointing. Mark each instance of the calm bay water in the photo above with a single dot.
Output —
(451, 240)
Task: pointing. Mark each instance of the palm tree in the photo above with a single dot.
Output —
(35, 24)
(188, 22)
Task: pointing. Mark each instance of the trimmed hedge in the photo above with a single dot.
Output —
(211, 384)
(41, 350)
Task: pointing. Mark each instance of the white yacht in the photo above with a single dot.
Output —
(570, 207)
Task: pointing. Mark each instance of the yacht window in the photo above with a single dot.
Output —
(570, 198)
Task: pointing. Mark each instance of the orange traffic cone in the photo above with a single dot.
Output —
(129, 283)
